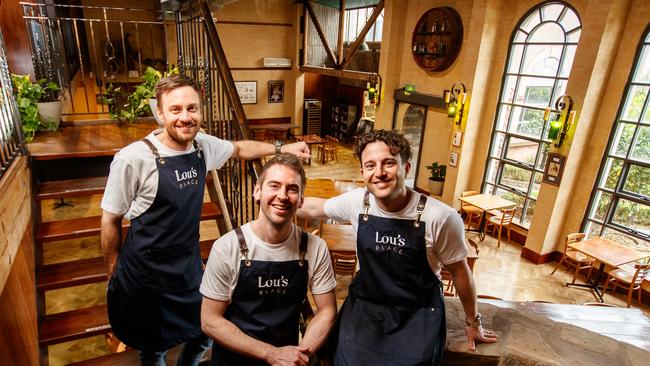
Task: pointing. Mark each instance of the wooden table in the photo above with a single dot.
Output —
(607, 252)
(339, 237)
(327, 188)
(285, 128)
(486, 202)
(311, 139)
(626, 325)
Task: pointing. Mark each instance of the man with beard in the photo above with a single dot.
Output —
(394, 313)
(257, 277)
(158, 183)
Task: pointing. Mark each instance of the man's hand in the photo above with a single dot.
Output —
(299, 149)
(479, 334)
(289, 356)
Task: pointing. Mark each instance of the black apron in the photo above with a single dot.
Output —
(266, 302)
(394, 314)
(153, 297)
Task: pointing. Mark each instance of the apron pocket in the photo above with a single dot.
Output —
(176, 267)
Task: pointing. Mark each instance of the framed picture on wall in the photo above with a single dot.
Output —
(276, 91)
(247, 91)
(457, 138)
(554, 169)
(453, 159)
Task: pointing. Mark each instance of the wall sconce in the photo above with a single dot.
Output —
(455, 101)
(559, 126)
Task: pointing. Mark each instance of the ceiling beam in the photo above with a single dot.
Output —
(348, 74)
(339, 45)
(360, 38)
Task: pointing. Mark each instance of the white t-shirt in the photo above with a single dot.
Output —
(133, 180)
(222, 271)
(444, 229)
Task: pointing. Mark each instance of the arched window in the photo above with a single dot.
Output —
(620, 202)
(541, 53)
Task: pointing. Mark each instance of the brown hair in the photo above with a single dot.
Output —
(171, 82)
(395, 141)
(291, 162)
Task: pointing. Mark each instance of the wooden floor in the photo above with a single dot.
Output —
(498, 272)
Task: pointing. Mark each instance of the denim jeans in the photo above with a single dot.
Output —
(191, 355)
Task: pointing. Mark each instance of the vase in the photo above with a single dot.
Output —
(50, 114)
(153, 104)
(435, 187)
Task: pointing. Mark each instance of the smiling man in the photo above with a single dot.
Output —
(257, 277)
(158, 183)
(394, 313)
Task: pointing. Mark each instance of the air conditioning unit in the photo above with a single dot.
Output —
(276, 62)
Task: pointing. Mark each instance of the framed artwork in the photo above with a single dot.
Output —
(276, 91)
(457, 138)
(554, 169)
(247, 91)
(453, 159)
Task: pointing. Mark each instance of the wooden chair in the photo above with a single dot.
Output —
(503, 219)
(447, 283)
(632, 280)
(328, 149)
(575, 258)
(344, 264)
(469, 210)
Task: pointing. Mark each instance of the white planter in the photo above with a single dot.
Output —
(50, 113)
(153, 104)
(435, 187)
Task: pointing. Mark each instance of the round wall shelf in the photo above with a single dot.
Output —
(437, 38)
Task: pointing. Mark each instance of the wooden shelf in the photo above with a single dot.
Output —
(437, 38)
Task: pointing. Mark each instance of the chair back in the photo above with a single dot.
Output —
(573, 238)
(465, 194)
(507, 215)
(641, 273)
(332, 142)
(344, 264)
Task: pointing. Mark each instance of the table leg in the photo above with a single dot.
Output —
(481, 227)
(593, 286)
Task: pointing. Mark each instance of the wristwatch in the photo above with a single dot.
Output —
(278, 146)
(476, 322)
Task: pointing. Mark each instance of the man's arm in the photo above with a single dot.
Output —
(464, 284)
(319, 327)
(249, 149)
(230, 336)
(111, 239)
(312, 207)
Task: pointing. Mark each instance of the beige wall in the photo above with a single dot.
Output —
(611, 30)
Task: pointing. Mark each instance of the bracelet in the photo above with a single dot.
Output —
(475, 323)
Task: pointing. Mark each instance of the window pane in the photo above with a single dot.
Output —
(490, 189)
(529, 212)
(537, 182)
(634, 103)
(529, 122)
(573, 36)
(642, 74)
(638, 180)
(551, 12)
(504, 115)
(530, 22)
(534, 91)
(515, 57)
(560, 88)
(622, 139)
(632, 215)
(641, 150)
(603, 199)
(497, 147)
(493, 167)
(569, 55)
(542, 59)
(515, 177)
(509, 89)
(542, 161)
(593, 229)
(514, 197)
(548, 33)
(612, 172)
(627, 240)
(569, 20)
(520, 36)
(522, 150)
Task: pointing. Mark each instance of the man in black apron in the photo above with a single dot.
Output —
(153, 293)
(394, 314)
(257, 277)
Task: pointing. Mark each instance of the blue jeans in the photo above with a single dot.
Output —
(191, 354)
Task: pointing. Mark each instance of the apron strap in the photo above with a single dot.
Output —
(243, 248)
(420, 209)
(366, 205)
(304, 239)
(154, 150)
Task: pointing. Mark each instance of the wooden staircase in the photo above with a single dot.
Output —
(86, 321)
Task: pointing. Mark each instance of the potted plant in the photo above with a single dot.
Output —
(38, 105)
(437, 178)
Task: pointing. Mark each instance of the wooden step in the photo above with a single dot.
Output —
(71, 188)
(206, 247)
(91, 226)
(74, 324)
(130, 357)
(72, 273)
